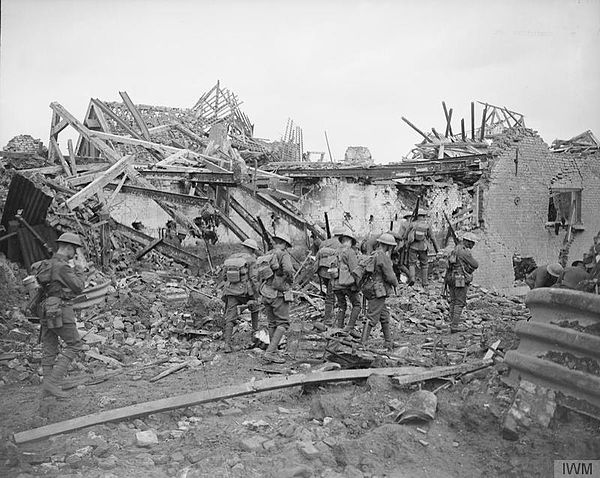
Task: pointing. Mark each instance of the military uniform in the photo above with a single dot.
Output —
(540, 277)
(60, 282)
(348, 263)
(461, 265)
(278, 309)
(331, 243)
(419, 237)
(239, 293)
(376, 290)
(572, 276)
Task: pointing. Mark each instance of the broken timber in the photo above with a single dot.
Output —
(165, 248)
(408, 374)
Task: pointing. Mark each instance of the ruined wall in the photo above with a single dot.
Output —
(515, 206)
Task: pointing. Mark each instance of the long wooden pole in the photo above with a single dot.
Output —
(328, 148)
(405, 374)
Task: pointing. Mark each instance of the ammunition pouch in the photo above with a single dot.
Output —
(53, 312)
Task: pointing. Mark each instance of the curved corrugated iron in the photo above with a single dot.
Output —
(560, 346)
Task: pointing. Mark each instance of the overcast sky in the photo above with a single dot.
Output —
(350, 67)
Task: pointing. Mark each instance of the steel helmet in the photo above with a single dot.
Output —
(251, 244)
(387, 238)
(337, 231)
(346, 232)
(70, 238)
(283, 237)
(469, 236)
(554, 269)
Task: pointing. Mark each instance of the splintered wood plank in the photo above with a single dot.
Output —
(57, 153)
(405, 375)
(136, 115)
(72, 161)
(98, 183)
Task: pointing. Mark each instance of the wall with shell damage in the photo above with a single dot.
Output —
(516, 193)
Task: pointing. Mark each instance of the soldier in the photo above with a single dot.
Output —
(241, 288)
(60, 281)
(544, 276)
(418, 238)
(344, 285)
(378, 287)
(326, 252)
(276, 292)
(573, 275)
(461, 265)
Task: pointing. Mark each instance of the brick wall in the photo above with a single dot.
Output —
(515, 206)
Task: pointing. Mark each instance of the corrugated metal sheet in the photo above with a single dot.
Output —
(23, 194)
(560, 346)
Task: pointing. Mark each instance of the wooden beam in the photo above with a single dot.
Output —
(416, 129)
(463, 135)
(110, 113)
(72, 161)
(98, 183)
(483, 120)
(57, 128)
(148, 248)
(136, 115)
(245, 215)
(406, 375)
(117, 190)
(113, 157)
(58, 154)
(472, 120)
(448, 116)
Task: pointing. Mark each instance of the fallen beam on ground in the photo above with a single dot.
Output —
(165, 248)
(248, 388)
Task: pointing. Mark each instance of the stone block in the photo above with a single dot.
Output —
(252, 444)
(308, 450)
(146, 438)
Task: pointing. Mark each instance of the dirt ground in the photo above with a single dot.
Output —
(333, 430)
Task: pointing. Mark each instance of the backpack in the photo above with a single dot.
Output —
(42, 271)
(327, 261)
(366, 268)
(344, 275)
(266, 265)
(418, 232)
(236, 269)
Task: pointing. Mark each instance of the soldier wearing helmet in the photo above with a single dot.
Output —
(61, 278)
(277, 294)
(381, 283)
(544, 276)
(459, 275)
(419, 237)
(241, 287)
(345, 285)
(326, 252)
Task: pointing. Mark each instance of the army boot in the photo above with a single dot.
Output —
(227, 335)
(424, 275)
(353, 317)
(51, 384)
(387, 337)
(366, 332)
(271, 354)
(455, 325)
(411, 274)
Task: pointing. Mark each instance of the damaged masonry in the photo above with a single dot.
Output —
(162, 196)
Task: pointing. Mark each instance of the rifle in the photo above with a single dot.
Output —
(456, 241)
(327, 229)
(451, 229)
(415, 214)
(265, 235)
